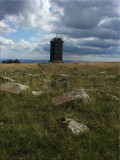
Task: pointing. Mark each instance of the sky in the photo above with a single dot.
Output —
(89, 29)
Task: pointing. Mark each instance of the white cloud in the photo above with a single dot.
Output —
(21, 50)
(85, 26)
(5, 29)
(4, 41)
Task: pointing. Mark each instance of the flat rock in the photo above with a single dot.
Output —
(78, 95)
(103, 72)
(13, 87)
(36, 93)
(76, 128)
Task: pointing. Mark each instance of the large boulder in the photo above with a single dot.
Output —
(13, 87)
(78, 95)
(76, 128)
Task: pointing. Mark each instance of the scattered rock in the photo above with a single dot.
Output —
(13, 70)
(13, 87)
(76, 128)
(64, 82)
(42, 64)
(78, 95)
(112, 76)
(36, 93)
(113, 97)
(36, 75)
(46, 80)
(103, 72)
(93, 89)
(7, 79)
(85, 74)
(46, 86)
(62, 75)
(1, 124)
(93, 76)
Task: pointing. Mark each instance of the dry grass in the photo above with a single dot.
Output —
(29, 127)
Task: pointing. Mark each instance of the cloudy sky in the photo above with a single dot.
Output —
(89, 28)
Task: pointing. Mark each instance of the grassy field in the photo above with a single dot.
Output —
(29, 126)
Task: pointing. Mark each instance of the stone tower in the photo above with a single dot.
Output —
(56, 50)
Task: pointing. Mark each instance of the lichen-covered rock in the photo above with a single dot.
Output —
(13, 87)
(76, 128)
(78, 95)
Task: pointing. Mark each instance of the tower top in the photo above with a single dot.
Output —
(57, 40)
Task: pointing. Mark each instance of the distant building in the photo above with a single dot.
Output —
(56, 50)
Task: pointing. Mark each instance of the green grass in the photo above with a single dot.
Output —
(30, 127)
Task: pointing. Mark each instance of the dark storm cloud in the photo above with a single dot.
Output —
(86, 14)
(89, 19)
(98, 32)
(11, 7)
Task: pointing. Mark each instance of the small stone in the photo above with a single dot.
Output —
(29, 74)
(92, 76)
(36, 75)
(93, 89)
(103, 72)
(113, 97)
(36, 93)
(64, 75)
(57, 75)
(76, 128)
(112, 76)
(63, 82)
(13, 70)
(1, 124)
(46, 80)
(46, 86)
(7, 79)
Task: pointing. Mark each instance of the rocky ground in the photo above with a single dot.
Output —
(59, 111)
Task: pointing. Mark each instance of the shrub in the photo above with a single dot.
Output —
(11, 61)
